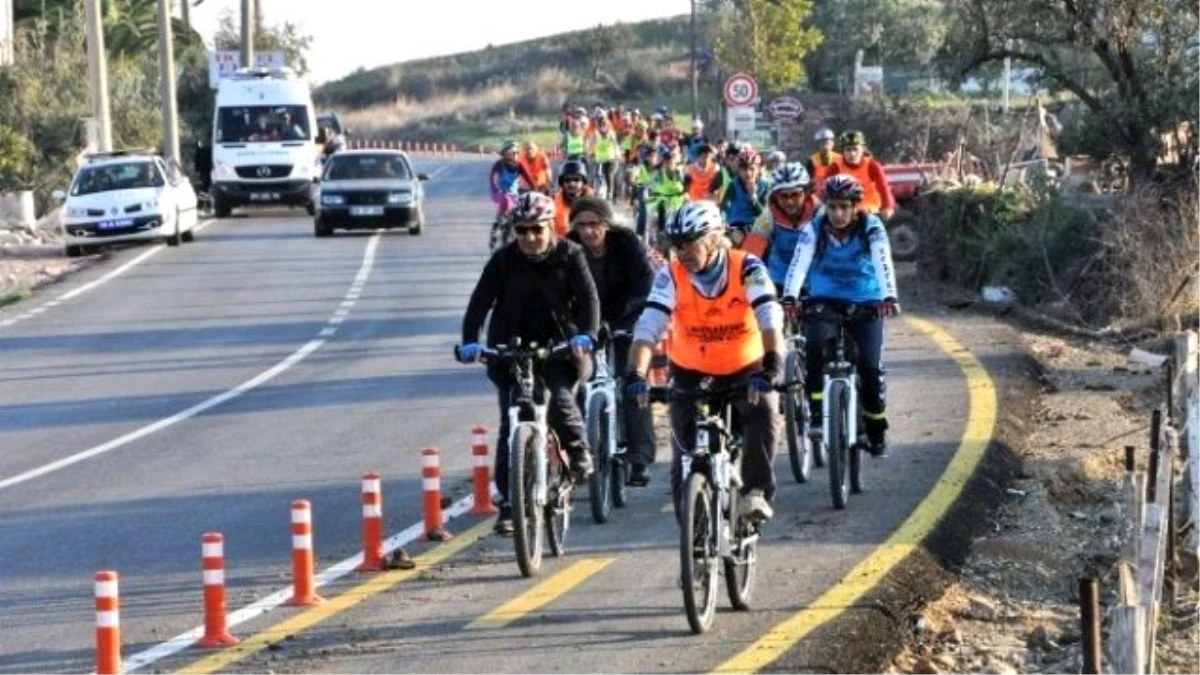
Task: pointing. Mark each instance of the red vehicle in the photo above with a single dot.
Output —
(907, 181)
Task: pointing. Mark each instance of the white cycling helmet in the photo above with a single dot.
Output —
(694, 220)
(824, 134)
(775, 157)
(792, 176)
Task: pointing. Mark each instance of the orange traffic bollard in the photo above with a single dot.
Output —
(212, 564)
(483, 483)
(108, 624)
(303, 575)
(372, 523)
(431, 481)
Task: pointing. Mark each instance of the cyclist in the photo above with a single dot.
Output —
(622, 274)
(844, 256)
(820, 164)
(702, 177)
(725, 324)
(537, 288)
(537, 164)
(774, 160)
(505, 178)
(572, 184)
(791, 205)
(665, 187)
(575, 139)
(695, 140)
(746, 195)
(603, 149)
(858, 163)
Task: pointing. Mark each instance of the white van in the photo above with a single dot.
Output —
(264, 141)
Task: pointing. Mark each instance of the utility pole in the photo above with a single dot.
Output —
(8, 32)
(166, 73)
(1008, 45)
(98, 74)
(248, 33)
(186, 13)
(695, 69)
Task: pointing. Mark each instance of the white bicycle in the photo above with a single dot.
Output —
(606, 487)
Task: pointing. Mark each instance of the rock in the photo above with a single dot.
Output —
(1079, 515)
(950, 636)
(1039, 639)
(981, 608)
(945, 662)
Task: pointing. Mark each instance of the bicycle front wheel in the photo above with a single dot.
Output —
(698, 553)
(558, 506)
(795, 415)
(838, 444)
(527, 515)
(599, 483)
(739, 569)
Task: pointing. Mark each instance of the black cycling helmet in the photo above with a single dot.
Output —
(842, 187)
(572, 169)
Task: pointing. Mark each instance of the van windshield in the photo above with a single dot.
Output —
(262, 123)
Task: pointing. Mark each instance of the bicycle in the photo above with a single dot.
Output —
(710, 527)
(840, 409)
(502, 233)
(540, 482)
(606, 486)
(803, 453)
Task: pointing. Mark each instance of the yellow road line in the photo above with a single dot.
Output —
(981, 421)
(334, 606)
(541, 595)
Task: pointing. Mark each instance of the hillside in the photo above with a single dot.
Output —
(481, 96)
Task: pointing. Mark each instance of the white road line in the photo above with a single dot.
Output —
(254, 382)
(260, 607)
(76, 292)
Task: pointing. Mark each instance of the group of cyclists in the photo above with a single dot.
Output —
(749, 240)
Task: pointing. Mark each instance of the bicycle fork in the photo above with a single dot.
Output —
(540, 488)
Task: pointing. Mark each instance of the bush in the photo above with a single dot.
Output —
(640, 81)
(16, 160)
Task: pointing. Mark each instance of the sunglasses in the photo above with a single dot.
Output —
(523, 230)
(840, 206)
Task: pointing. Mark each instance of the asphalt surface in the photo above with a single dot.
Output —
(182, 330)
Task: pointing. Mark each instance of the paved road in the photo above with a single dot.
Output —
(215, 383)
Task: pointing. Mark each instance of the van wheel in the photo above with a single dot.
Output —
(189, 235)
(220, 208)
(74, 251)
(176, 237)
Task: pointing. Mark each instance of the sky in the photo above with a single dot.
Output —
(348, 34)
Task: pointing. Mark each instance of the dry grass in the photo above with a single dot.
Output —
(380, 119)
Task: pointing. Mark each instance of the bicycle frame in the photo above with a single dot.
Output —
(713, 458)
(526, 411)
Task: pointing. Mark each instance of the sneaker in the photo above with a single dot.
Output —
(581, 463)
(504, 521)
(879, 449)
(639, 476)
(754, 505)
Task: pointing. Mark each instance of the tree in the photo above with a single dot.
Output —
(285, 37)
(1131, 63)
(768, 38)
(602, 42)
(889, 32)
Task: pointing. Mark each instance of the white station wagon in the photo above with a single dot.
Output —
(127, 195)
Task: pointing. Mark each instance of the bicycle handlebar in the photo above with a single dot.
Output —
(504, 352)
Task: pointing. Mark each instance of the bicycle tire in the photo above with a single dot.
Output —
(698, 554)
(619, 479)
(795, 417)
(558, 508)
(740, 573)
(856, 465)
(527, 517)
(838, 444)
(599, 490)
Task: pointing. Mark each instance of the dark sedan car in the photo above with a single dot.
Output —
(366, 189)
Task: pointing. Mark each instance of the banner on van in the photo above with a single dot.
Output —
(223, 63)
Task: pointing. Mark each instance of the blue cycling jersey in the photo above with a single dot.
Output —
(739, 208)
(506, 179)
(847, 272)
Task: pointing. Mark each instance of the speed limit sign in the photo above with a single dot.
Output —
(740, 90)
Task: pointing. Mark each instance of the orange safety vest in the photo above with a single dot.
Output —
(821, 170)
(872, 201)
(714, 336)
(701, 185)
(562, 211)
(538, 167)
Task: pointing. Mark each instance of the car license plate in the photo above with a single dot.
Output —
(114, 224)
(264, 196)
(366, 210)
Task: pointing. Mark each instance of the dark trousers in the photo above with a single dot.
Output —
(868, 336)
(759, 423)
(562, 378)
(639, 422)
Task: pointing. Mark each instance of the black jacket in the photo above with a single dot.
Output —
(623, 277)
(549, 300)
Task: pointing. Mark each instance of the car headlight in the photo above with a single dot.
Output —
(400, 197)
(224, 172)
(333, 200)
(76, 212)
